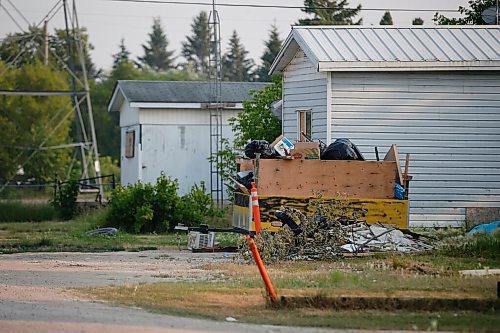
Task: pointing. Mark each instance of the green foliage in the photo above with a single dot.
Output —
(197, 207)
(479, 245)
(472, 15)
(146, 208)
(273, 46)
(65, 200)
(122, 56)
(329, 12)
(21, 212)
(236, 66)
(417, 21)
(257, 122)
(386, 19)
(32, 42)
(110, 167)
(29, 122)
(156, 55)
(196, 48)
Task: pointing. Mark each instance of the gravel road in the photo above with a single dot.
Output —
(34, 295)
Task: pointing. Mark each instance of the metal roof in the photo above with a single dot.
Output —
(136, 91)
(344, 48)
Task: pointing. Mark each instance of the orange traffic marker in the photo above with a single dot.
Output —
(262, 270)
(255, 208)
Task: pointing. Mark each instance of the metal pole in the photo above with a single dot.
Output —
(46, 43)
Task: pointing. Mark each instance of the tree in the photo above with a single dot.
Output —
(273, 46)
(257, 122)
(156, 55)
(329, 12)
(28, 47)
(386, 19)
(196, 48)
(29, 122)
(235, 64)
(123, 55)
(472, 14)
(417, 21)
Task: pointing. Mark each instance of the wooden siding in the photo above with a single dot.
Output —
(448, 122)
(304, 88)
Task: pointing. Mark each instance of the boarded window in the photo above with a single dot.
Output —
(304, 125)
(129, 144)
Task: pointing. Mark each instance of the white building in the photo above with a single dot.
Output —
(165, 126)
(435, 92)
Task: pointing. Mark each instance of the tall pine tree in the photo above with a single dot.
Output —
(196, 48)
(156, 54)
(386, 19)
(123, 55)
(235, 64)
(329, 12)
(273, 46)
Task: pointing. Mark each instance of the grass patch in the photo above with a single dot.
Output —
(241, 293)
(24, 212)
(53, 236)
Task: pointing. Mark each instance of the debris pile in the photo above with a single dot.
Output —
(322, 236)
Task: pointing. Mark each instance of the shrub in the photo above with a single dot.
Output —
(143, 208)
(65, 200)
(197, 207)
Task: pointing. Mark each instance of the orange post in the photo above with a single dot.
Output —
(255, 208)
(262, 270)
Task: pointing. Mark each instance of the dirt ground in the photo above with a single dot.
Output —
(34, 295)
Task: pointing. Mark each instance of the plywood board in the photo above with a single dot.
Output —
(385, 211)
(354, 179)
(392, 155)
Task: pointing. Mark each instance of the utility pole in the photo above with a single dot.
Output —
(46, 43)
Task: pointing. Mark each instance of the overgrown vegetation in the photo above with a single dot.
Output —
(480, 245)
(14, 211)
(52, 236)
(146, 208)
(64, 201)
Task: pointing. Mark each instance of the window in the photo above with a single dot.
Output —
(304, 130)
(129, 144)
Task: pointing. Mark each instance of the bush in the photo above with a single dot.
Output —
(145, 208)
(197, 207)
(65, 200)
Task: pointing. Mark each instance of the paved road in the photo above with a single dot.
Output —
(34, 295)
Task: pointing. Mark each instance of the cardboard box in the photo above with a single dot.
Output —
(306, 151)
(282, 145)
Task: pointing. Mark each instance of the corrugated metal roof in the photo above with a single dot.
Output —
(443, 47)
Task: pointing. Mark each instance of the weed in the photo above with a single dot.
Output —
(22, 212)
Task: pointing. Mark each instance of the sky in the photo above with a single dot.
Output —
(108, 21)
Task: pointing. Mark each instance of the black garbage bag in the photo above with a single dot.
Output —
(342, 149)
(260, 146)
(245, 178)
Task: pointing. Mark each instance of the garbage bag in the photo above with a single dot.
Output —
(342, 149)
(259, 146)
(245, 178)
(399, 192)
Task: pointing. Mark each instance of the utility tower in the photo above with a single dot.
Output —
(86, 145)
(215, 107)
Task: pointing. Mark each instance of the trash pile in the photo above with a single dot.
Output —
(320, 237)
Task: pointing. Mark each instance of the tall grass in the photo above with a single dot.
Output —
(479, 245)
(12, 211)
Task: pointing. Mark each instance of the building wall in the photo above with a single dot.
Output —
(177, 143)
(448, 122)
(304, 88)
(129, 167)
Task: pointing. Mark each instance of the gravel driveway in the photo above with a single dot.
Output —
(34, 296)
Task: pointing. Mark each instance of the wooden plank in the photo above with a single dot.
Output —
(392, 155)
(386, 211)
(356, 179)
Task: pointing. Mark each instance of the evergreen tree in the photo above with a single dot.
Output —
(329, 12)
(235, 64)
(273, 46)
(417, 21)
(122, 56)
(196, 49)
(386, 19)
(472, 14)
(156, 54)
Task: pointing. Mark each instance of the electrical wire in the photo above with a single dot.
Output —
(279, 6)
